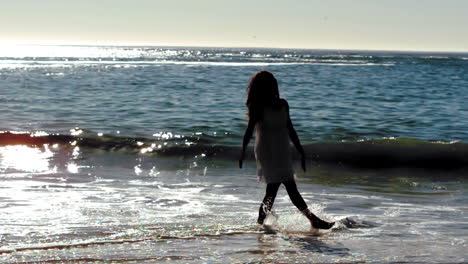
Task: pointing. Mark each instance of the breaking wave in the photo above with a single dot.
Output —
(376, 153)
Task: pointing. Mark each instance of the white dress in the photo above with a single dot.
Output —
(272, 146)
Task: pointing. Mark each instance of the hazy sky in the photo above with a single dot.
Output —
(435, 25)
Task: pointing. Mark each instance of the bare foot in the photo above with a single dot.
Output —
(322, 224)
(317, 222)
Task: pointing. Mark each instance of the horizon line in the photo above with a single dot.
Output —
(88, 44)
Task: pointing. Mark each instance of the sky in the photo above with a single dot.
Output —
(421, 25)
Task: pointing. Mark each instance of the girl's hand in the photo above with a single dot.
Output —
(303, 163)
(241, 159)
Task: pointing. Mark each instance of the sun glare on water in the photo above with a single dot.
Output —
(23, 158)
(33, 51)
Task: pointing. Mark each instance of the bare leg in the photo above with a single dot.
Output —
(299, 202)
(267, 204)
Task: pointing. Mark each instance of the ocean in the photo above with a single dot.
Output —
(130, 155)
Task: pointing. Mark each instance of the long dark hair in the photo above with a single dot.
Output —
(261, 91)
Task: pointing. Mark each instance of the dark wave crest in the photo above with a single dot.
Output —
(378, 153)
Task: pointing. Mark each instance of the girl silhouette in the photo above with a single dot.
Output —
(269, 116)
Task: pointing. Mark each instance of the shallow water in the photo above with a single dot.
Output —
(129, 154)
(143, 208)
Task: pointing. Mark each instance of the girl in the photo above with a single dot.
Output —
(269, 114)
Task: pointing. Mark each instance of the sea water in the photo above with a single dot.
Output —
(129, 154)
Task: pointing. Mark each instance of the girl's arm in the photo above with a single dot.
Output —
(247, 136)
(295, 138)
